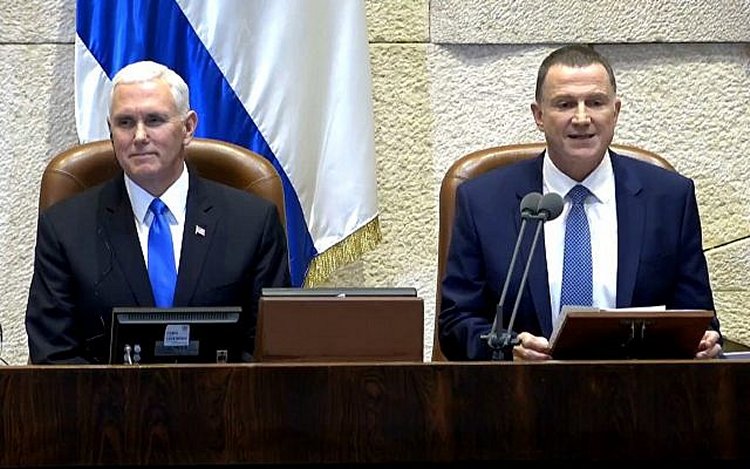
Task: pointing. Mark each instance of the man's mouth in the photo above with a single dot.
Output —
(581, 136)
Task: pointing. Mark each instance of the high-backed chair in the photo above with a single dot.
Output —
(89, 164)
(479, 162)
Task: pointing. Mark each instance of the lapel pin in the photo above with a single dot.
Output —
(200, 231)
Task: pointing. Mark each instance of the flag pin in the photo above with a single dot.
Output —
(200, 231)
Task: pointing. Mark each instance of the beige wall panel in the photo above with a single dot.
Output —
(688, 102)
(37, 94)
(597, 21)
(481, 97)
(735, 321)
(729, 267)
(398, 20)
(37, 21)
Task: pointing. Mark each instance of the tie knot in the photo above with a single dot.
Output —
(578, 194)
(158, 207)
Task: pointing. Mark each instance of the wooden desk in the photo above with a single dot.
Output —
(407, 412)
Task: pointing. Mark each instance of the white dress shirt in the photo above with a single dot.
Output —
(175, 198)
(601, 211)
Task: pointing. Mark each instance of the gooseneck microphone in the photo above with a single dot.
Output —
(499, 342)
(549, 207)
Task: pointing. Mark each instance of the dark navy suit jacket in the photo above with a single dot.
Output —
(660, 255)
(88, 260)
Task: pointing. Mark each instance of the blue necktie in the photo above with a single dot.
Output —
(577, 283)
(161, 267)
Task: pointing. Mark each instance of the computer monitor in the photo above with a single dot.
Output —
(143, 335)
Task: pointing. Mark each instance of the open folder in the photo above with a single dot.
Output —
(635, 333)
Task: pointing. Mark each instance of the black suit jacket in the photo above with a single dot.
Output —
(88, 260)
(660, 257)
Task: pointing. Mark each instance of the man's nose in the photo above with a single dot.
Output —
(140, 131)
(581, 115)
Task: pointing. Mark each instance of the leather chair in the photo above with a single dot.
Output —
(89, 164)
(479, 162)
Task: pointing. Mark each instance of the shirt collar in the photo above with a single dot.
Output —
(175, 198)
(601, 181)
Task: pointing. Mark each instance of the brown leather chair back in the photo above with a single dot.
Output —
(87, 165)
(479, 162)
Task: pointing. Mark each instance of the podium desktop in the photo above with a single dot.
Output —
(340, 324)
(632, 333)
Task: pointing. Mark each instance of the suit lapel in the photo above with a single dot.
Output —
(201, 221)
(118, 230)
(630, 220)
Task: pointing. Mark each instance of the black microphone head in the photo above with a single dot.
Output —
(530, 203)
(551, 206)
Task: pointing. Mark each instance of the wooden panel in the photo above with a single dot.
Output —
(592, 333)
(340, 329)
(397, 412)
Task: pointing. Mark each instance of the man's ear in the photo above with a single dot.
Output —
(190, 123)
(536, 111)
(618, 104)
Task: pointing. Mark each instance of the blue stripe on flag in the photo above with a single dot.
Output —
(119, 32)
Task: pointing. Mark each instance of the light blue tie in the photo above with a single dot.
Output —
(161, 267)
(577, 270)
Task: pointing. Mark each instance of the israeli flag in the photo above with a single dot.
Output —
(288, 79)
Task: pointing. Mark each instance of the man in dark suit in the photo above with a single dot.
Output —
(644, 232)
(94, 251)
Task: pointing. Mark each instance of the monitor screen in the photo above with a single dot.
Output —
(143, 335)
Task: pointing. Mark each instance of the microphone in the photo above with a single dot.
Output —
(550, 207)
(499, 342)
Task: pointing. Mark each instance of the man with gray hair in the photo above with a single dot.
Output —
(127, 242)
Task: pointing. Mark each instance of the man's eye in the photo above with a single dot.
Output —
(563, 104)
(155, 121)
(125, 123)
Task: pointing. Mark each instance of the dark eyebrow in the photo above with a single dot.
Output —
(570, 97)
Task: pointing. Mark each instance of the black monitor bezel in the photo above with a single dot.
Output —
(216, 323)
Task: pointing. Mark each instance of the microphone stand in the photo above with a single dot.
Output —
(502, 343)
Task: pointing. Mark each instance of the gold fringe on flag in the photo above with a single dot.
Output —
(347, 250)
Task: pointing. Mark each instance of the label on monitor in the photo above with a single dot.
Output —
(190, 350)
(177, 335)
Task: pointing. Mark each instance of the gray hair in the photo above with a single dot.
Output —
(146, 70)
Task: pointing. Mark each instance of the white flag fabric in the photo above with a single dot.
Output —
(288, 79)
